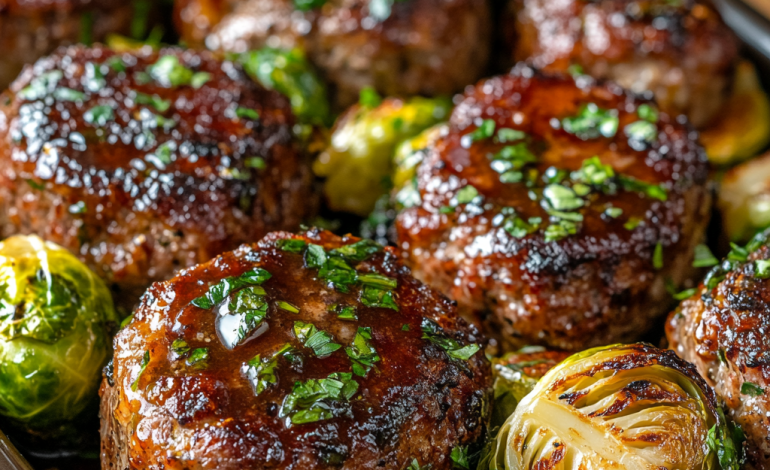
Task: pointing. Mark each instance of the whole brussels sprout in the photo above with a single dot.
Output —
(616, 407)
(55, 322)
(744, 199)
(359, 158)
(288, 72)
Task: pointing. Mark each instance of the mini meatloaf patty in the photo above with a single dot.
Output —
(425, 47)
(30, 29)
(145, 164)
(299, 352)
(681, 51)
(724, 329)
(560, 207)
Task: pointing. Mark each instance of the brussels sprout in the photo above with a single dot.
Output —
(743, 128)
(359, 158)
(744, 199)
(616, 407)
(289, 72)
(55, 320)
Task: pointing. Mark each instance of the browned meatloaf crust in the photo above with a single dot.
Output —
(418, 400)
(140, 179)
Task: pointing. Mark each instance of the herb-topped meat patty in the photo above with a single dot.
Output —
(679, 50)
(559, 206)
(142, 164)
(410, 47)
(298, 352)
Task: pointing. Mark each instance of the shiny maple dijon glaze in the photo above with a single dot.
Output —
(415, 403)
(135, 217)
(595, 287)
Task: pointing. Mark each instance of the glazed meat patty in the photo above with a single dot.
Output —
(681, 51)
(30, 29)
(299, 352)
(556, 209)
(425, 47)
(145, 164)
(723, 330)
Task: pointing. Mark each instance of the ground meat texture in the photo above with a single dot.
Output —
(498, 223)
(425, 47)
(141, 171)
(30, 29)
(723, 330)
(420, 389)
(681, 51)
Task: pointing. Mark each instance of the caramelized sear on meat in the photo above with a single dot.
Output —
(30, 29)
(401, 48)
(723, 329)
(560, 207)
(680, 51)
(145, 164)
(299, 352)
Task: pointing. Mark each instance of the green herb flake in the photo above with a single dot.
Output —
(41, 86)
(415, 465)
(613, 212)
(376, 297)
(405, 327)
(653, 191)
(762, 269)
(484, 131)
(358, 251)
(361, 353)
(260, 372)
(116, 63)
(246, 113)
(283, 305)
(657, 257)
(347, 312)
(35, 184)
(68, 94)
(751, 389)
(632, 223)
(506, 135)
(703, 257)
(721, 356)
(432, 332)
(562, 198)
(592, 122)
(291, 245)
(99, 115)
(460, 458)
(155, 101)
(309, 401)
(169, 72)
(737, 253)
(641, 134)
(142, 367)
(218, 292)
(726, 441)
(198, 358)
(78, 208)
(319, 341)
(180, 347)
(315, 256)
(255, 162)
(369, 98)
(199, 79)
(648, 112)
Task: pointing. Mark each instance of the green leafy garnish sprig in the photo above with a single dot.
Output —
(433, 333)
(592, 122)
(321, 342)
(362, 353)
(261, 372)
(315, 399)
(219, 291)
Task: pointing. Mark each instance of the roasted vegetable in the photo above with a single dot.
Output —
(743, 128)
(289, 72)
(744, 199)
(359, 159)
(616, 407)
(56, 317)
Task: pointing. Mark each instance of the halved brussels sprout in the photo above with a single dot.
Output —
(288, 72)
(743, 127)
(359, 159)
(744, 199)
(616, 407)
(56, 317)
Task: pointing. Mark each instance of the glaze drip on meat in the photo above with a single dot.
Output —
(350, 363)
(142, 164)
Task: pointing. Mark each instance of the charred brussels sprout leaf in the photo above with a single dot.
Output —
(620, 407)
(359, 159)
(56, 320)
(288, 72)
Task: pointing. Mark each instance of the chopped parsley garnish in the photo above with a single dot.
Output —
(169, 72)
(361, 353)
(648, 112)
(368, 97)
(155, 101)
(223, 288)
(562, 198)
(68, 94)
(357, 251)
(657, 257)
(466, 194)
(592, 122)
(99, 115)
(255, 162)
(737, 253)
(506, 135)
(672, 291)
(180, 347)
(310, 401)
(721, 356)
(751, 389)
(94, 80)
(432, 332)
(650, 190)
(725, 439)
(283, 305)
(594, 173)
(246, 113)
(405, 327)
(703, 257)
(510, 160)
(377, 297)
(347, 312)
(78, 208)
(199, 79)
(198, 358)
(116, 63)
(459, 456)
(632, 223)
(142, 367)
(311, 337)
(292, 245)
(613, 212)
(261, 371)
(641, 134)
(249, 307)
(415, 465)
(484, 131)
(42, 85)
(762, 268)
